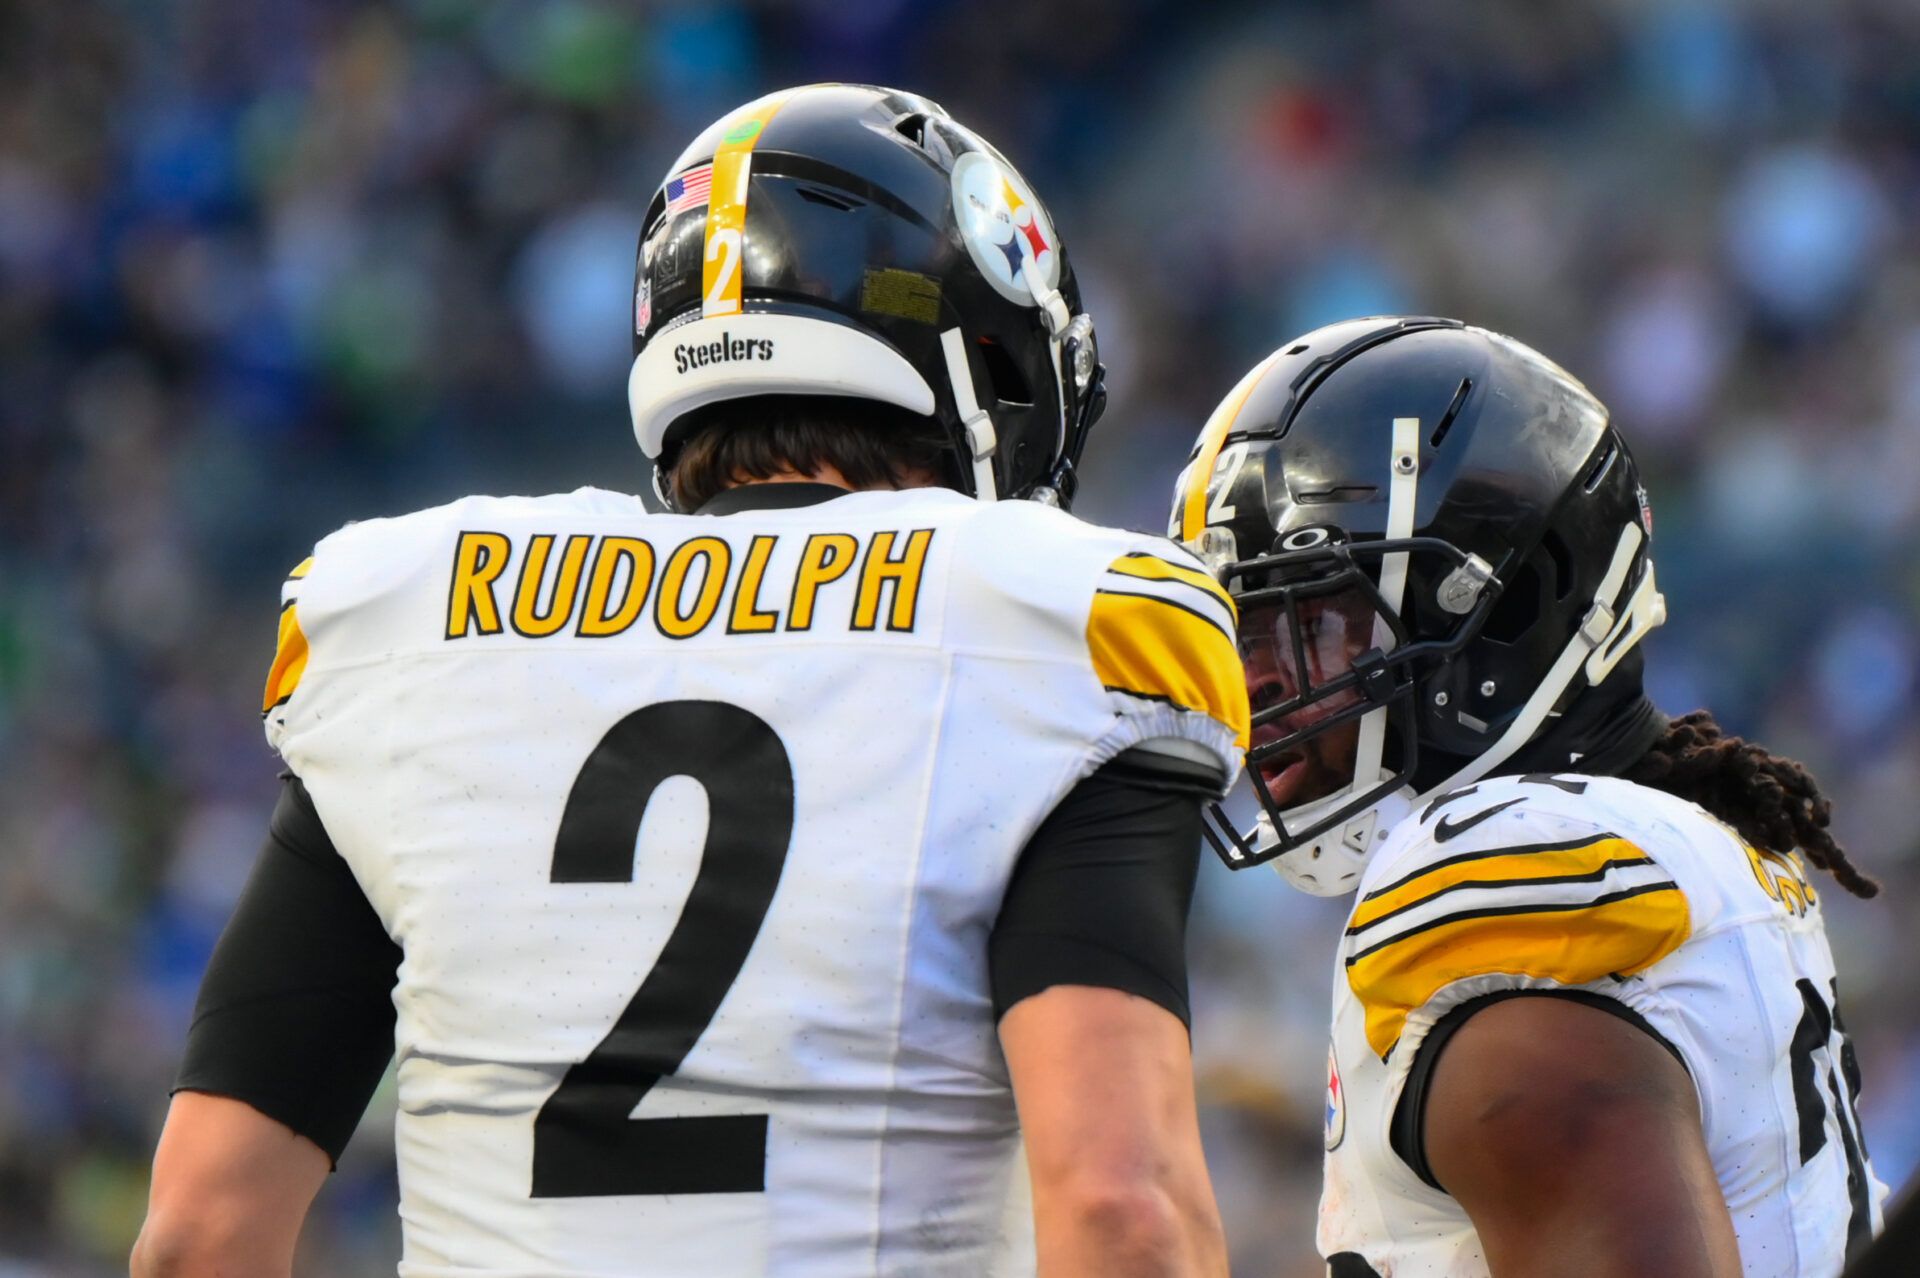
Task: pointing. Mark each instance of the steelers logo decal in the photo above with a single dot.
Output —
(1003, 226)
(1336, 1103)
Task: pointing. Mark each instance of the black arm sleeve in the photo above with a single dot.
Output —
(1101, 892)
(295, 1015)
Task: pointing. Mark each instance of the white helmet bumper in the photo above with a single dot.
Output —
(723, 357)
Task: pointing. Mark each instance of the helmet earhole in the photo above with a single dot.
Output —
(1562, 563)
(1517, 608)
(1009, 386)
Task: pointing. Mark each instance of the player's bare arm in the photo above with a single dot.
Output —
(231, 1188)
(672, 853)
(1088, 968)
(1104, 1081)
(1573, 1140)
(1585, 961)
(291, 1032)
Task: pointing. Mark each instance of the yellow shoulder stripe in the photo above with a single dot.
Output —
(1615, 934)
(304, 567)
(1501, 867)
(1151, 647)
(289, 660)
(1153, 568)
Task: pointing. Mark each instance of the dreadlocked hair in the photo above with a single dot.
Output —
(1771, 802)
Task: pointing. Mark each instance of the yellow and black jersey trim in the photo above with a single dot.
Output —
(1583, 860)
(1200, 588)
(1571, 912)
(1164, 631)
(1782, 877)
(290, 652)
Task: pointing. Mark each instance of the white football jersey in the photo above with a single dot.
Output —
(1624, 893)
(692, 830)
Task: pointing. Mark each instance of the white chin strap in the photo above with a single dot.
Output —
(1331, 863)
(981, 439)
(1603, 637)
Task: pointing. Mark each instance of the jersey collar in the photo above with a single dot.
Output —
(732, 501)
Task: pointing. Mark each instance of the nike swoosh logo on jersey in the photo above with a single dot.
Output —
(1448, 827)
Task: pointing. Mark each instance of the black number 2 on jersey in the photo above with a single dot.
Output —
(585, 1144)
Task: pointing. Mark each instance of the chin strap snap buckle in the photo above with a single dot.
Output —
(1596, 625)
(1376, 681)
(1053, 307)
(981, 437)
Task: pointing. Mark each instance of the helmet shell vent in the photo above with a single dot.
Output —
(1453, 411)
(1603, 463)
(913, 128)
(830, 199)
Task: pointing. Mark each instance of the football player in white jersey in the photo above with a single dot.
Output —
(724, 877)
(1585, 1016)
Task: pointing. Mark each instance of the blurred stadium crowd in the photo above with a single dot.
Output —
(270, 265)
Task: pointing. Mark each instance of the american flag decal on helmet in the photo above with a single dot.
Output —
(690, 190)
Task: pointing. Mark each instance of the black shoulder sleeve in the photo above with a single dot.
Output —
(295, 1014)
(1407, 1131)
(1101, 892)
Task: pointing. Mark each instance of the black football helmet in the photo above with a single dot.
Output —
(855, 241)
(1439, 547)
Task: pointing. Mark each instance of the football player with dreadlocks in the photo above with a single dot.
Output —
(1585, 1016)
(752, 881)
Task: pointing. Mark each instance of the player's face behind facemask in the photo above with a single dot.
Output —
(1307, 717)
(1325, 661)
(1450, 473)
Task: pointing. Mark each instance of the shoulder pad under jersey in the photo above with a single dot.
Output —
(1503, 881)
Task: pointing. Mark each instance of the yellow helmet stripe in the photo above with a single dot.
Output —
(1193, 516)
(723, 269)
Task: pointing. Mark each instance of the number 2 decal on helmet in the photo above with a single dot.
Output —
(861, 243)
